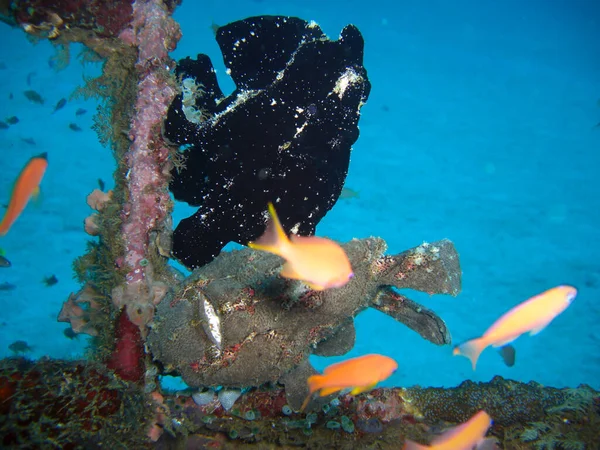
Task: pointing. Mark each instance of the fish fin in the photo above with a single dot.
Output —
(5, 224)
(448, 435)
(288, 272)
(360, 389)
(37, 196)
(508, 354)
(214, 27)
(538, 329)
(504, 343)
(305, 402)
(314, 287)
(411, 445)
(471, 349)
(274, 237)
(330, 390)
(314, 382)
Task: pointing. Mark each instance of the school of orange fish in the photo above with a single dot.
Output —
(323, 264)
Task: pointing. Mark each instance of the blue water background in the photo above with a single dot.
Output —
(479, 128)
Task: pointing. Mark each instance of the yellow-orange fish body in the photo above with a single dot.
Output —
(26, 186)
(531, 316)
(321, 263)
(466, 436)
(361, 374)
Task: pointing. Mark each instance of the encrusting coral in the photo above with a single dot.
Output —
(236, 323)
(68, 405)
(76, 404)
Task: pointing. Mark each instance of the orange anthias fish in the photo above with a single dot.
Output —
(319, 262)
(361, 374)
(531, 316)
(466, 436)
(26, 186)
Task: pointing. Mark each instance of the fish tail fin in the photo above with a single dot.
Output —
(314, 384)
(410, 445)
(360, 389)
(471, 349)
(305, 402)
(274, 238)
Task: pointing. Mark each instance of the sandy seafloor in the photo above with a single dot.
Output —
(479, 128)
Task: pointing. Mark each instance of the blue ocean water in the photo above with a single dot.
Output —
(480, 128)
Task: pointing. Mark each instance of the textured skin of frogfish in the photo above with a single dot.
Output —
(236, 323)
